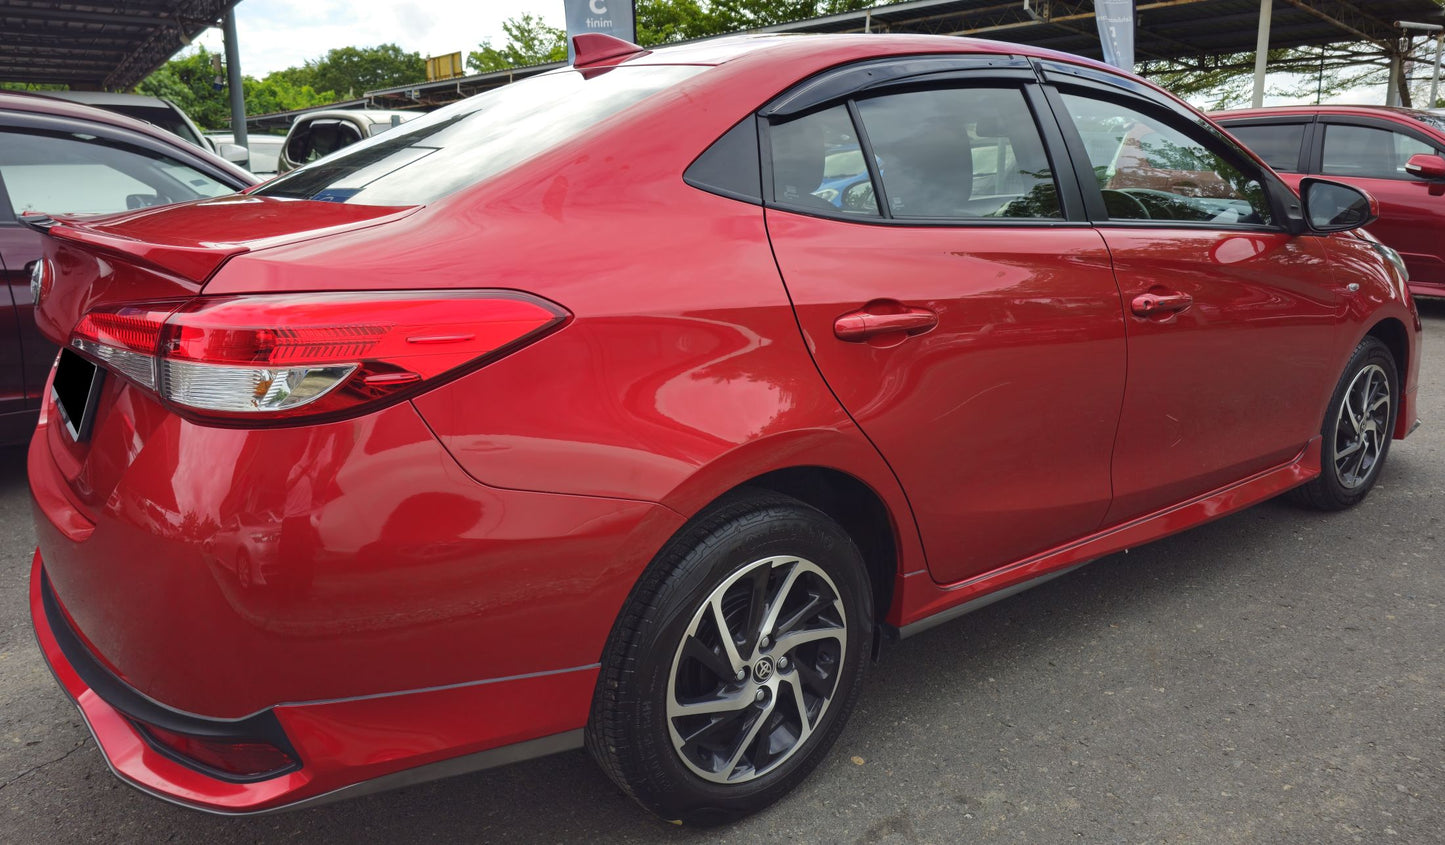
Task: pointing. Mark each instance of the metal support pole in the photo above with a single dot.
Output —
(1435, 74)
(233, 79)
(1261, 50)
(1392, 88)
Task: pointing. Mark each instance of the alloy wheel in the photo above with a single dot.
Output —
(756, 669)
(1362, 429)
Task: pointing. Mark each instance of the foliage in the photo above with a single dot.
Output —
(530, 41)
(352, 71)
(1304, 74)
(189, 82)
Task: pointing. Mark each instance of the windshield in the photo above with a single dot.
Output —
(80, 174)
(433, 156)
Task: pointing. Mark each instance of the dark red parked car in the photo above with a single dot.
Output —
(57, 156)
(582, 411)
(1397, 155)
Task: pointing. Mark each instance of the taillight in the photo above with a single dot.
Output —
(281, 356)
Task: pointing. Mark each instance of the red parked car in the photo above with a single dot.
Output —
(1397, 155)
(581, 412)
(57, 156)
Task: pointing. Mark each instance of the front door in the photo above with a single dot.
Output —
(1230, 320)
(970, 328)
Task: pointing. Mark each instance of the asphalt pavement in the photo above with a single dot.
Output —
(1277, 676)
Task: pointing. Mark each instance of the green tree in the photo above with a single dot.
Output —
(662, 21)
(530, 41)
(189, 82)
(352, 71)
(275, 93)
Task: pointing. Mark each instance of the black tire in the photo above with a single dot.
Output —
(666, 650)
(1352, 456)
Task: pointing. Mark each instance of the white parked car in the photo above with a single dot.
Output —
(321, 133)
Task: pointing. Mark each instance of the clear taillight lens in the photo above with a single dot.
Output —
(308, 354)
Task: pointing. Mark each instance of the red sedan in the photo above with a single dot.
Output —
(1396, 154)
(633, 404)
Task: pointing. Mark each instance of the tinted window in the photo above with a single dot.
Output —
(160, 116)
(960, 153)
(1278, 144)
(818, 164)
(320, 138)
(55, 173)
(1150, 168)
(1368, 152)
(425, 159)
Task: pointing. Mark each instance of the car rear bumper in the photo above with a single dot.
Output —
(344, 748)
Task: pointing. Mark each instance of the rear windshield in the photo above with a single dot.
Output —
(433, 156)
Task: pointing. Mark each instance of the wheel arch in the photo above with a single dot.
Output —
(1392, 332)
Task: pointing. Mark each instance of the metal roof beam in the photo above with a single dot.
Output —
(74, 16)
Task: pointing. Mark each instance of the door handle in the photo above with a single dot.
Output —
(1149, 304)
(883, 317)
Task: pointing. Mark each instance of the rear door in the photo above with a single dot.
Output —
(955, 300)
(1232, 322)
(1371, 154)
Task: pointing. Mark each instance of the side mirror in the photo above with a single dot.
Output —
(1334, 207)
(235, 153)
(1426, 166)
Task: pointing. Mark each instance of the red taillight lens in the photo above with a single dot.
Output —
(291, 355)
(246, 759)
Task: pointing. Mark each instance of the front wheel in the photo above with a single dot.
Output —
(1357, 430)
(735, 663)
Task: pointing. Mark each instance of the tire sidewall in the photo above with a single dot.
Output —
(806, 534)
(1370, 351)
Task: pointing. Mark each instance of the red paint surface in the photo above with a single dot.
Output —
(493, 527)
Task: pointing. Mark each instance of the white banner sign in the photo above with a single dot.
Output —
(1116, 31)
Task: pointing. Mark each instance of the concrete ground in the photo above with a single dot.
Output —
(1277, 676)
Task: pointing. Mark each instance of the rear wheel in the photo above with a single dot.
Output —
(736, 662)
(1357, 430)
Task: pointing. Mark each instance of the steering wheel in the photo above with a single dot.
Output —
(1124, 205)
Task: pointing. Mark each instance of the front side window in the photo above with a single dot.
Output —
(960, 153)
(59, 173)
(1150, 168)
(1368, 152)
(1278, 144)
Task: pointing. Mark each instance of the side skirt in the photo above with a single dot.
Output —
(931, 604)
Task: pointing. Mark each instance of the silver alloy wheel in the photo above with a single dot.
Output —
(1363, 426)
(756, 669)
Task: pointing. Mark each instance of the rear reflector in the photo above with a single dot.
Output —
(291, 355)
(230, 758)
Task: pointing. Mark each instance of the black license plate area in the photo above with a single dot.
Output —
(77, 391)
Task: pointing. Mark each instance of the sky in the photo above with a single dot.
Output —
(277, 34)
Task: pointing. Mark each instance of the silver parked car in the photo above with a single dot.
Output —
(321, 133)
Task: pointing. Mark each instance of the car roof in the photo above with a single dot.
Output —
(1359, 111)
(109, 98)
(39, 104)
(371, 115)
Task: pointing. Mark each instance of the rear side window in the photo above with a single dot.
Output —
(433, 156)
(958, 153)
(1367, 152)
(1278, 144)
(81, 174)
(818, 164)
